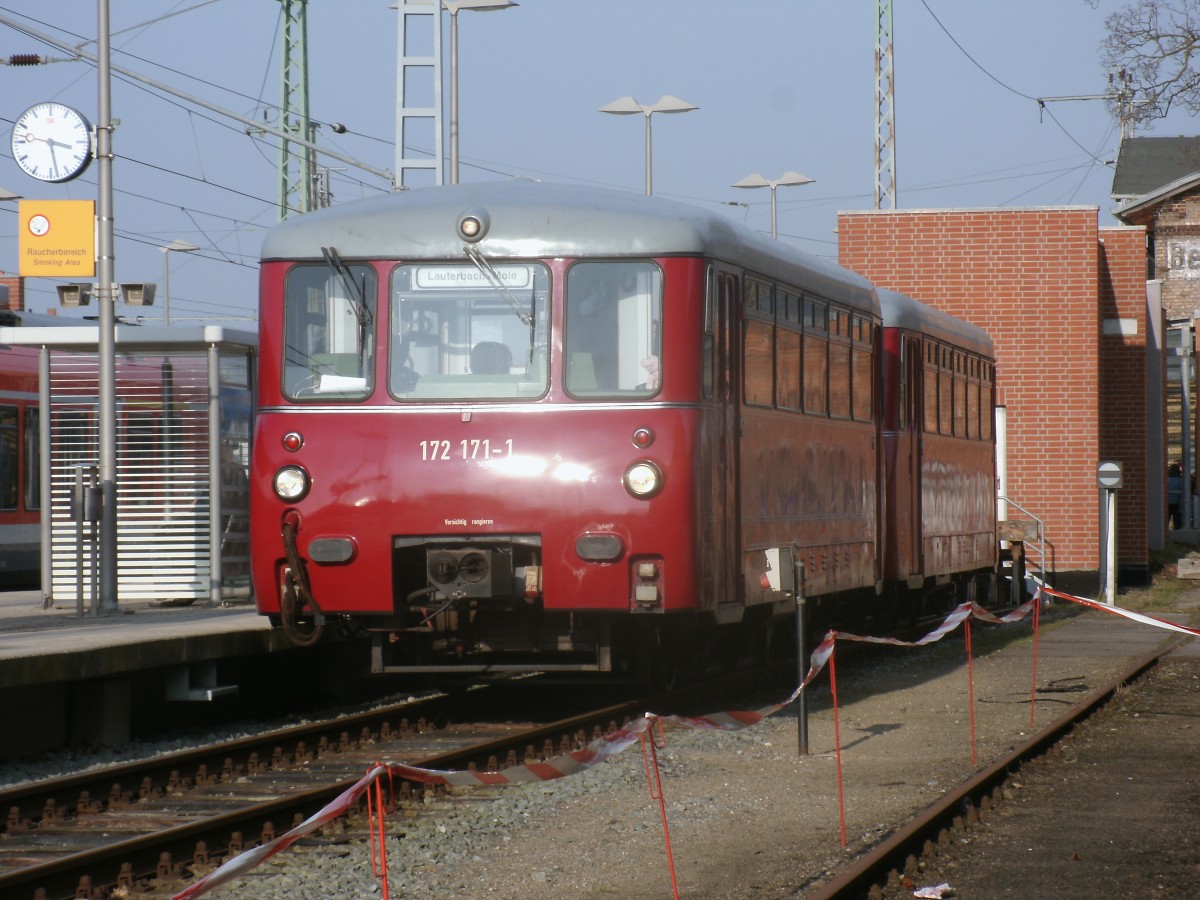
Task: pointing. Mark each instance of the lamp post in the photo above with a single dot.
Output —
(177, 247)
(453, 6)
(786, 179)
(627, 106)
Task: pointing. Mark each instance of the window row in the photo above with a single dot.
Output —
(815, 357)
(804, 312)
(462, 331)
(959, 392)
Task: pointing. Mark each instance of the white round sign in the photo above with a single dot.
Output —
(1108, 475)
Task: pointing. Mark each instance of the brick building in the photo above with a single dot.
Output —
(1078, 360)
(1157, 182)
(1171, 217)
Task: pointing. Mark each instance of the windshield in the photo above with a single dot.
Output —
(469, 332)
(329, 345)
(614, 329)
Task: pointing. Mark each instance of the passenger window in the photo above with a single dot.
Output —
(839, 378)
(613, 345)
(9, 484)
(759, 363)
(329, 332)
(787, 369)
(33, 459)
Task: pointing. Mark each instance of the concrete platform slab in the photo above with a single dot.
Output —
(39, 645)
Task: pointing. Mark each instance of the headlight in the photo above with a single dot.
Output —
(291, 483)
(473, 225)
(643, 479)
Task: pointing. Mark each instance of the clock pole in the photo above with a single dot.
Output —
(107, 343)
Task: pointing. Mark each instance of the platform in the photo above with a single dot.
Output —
(72, 680)
(39, 645)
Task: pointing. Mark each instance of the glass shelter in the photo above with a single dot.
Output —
(185, 400)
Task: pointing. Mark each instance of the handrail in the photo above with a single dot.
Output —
(1041, 527)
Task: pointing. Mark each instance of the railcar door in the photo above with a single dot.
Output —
(913, 430)
(728, 350)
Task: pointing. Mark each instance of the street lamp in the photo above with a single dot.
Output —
(786, 179)
(453, 6)
(627, 106)
(177, 247)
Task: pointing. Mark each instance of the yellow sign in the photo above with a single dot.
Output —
(57, 238)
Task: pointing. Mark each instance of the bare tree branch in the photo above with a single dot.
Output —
(1153, 47)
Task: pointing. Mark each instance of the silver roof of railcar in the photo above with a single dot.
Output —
(532, 219)
(902, 311)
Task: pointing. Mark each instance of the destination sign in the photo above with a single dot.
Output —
(443, 277)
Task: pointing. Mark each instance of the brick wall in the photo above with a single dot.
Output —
(1032, 279)
(1124, 419)
(16, 290)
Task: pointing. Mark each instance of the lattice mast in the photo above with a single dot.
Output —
(419, 93)
(296, 185)
(885, 109)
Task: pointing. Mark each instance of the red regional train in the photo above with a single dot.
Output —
(527, 427)
(20, 481)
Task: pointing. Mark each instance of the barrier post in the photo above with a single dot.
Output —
(970, 684)
(1037, 607)
(654, 782)
(801, 658)
(837, 742)
(376, 813)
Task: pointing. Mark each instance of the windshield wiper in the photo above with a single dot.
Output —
(493, 278)
(354, 291)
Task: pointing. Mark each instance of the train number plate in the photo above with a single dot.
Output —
(439, 451)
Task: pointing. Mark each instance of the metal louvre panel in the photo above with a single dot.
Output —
(162, 473)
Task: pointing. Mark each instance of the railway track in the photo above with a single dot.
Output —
(160, 822)
(157, 821)
(205, 805)
(895, 860)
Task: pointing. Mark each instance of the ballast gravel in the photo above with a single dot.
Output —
(748, 816)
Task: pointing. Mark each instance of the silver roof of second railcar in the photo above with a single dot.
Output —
(532, 220)
(902, 311)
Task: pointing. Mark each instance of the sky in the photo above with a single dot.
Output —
(779, 85)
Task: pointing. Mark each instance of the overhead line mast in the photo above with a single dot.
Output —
(885, 109)
(296, 185)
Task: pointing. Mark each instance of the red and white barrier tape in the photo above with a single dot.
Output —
(952, 621)
(249, 859)
(1119, 611)
(597, 751)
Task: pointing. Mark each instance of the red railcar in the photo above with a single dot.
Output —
(939, 453)
(519, 426)
(20, 482)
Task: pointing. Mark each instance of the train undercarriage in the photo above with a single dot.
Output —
(480, 616)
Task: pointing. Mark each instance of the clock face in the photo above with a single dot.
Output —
(52, 142)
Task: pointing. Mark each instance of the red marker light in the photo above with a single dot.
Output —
(643, 438)
(292, 441)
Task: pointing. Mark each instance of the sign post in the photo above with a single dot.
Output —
(1108, 477)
